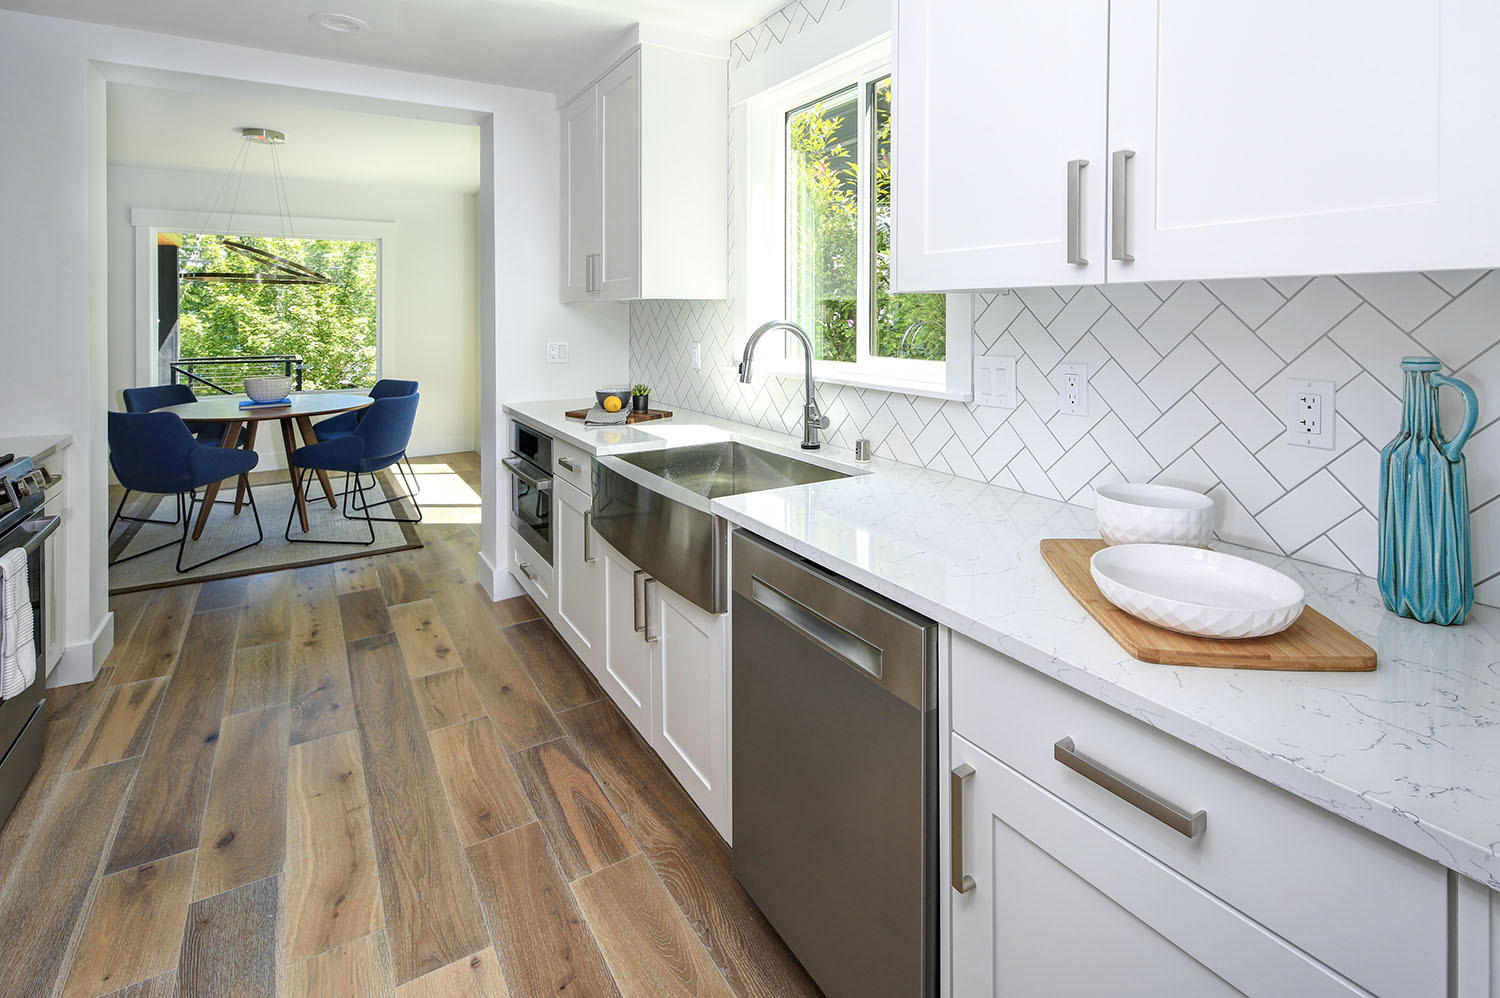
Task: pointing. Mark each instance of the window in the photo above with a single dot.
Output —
(832, 178)
(332, 327)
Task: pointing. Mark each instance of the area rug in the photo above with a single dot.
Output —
(226, 531)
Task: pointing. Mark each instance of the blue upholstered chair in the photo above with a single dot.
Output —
(158, 396)
(344, 423)
(377, 442)
(155, 452)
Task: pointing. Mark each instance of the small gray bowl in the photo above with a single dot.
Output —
(623, 394)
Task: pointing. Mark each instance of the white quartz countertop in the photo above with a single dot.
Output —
(1410, 751)
(38, 448)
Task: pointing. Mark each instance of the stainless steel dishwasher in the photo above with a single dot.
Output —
(834, 756)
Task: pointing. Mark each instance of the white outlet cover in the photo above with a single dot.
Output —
(995, 381)
(1298, 389)
(695, 358)
(557, 352)
(1067, 373)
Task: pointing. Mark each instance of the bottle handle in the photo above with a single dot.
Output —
(1455, 445)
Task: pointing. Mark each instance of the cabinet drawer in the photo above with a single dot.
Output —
(1367, 908)
(572, 465)
(533, 572)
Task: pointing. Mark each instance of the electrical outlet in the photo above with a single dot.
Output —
(557, 352)
(695, 358)
(1309, 413)
(995, 381)
(1073, 389)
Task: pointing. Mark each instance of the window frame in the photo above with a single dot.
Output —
(767, 279)
(148, 223)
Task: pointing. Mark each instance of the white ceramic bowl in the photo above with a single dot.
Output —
(1195, 591)
(268, 389)
(1153, 514)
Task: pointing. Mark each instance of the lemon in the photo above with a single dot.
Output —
(612, 403)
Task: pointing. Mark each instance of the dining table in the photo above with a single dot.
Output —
(295, 415)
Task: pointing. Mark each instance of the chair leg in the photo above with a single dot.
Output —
(305, 479)
(181, 514)
(182, 544)
(411, 494)
(120, 515)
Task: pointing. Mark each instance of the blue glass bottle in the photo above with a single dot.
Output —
(1424, 505)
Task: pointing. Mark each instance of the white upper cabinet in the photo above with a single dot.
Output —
(645, 180)
(998, 107)
(1234, 139)
(1284, 137)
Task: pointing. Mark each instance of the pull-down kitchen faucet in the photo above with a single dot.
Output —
(812, 420)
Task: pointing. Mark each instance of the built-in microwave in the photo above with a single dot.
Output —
(530, 467)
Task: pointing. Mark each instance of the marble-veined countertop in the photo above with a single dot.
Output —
(1410, 751)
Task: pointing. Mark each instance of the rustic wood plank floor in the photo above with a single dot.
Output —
(364, 778)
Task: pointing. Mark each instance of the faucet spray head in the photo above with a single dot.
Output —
(744, 372)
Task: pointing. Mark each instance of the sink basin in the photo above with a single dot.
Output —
(653, 507)
(728, 469)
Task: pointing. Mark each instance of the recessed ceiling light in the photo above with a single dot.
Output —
(344, 24)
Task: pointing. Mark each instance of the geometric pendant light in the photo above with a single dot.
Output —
(273, 269)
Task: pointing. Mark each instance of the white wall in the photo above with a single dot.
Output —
(53, 281)
(432, 333)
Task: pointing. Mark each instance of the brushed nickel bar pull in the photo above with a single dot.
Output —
(588, 542)
(1190, 824)
(962, 882)
(637, 590)
(1119, 209)
(527, 570)
(1075, 212)
(588, 274)
(569, 463)
(651, 638)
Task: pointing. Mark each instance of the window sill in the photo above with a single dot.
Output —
(925, 389)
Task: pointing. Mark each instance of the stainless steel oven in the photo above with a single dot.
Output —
(530, 467)
(24, 525)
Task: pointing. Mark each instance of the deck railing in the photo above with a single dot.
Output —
(226, 375)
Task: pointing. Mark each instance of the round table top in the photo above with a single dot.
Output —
(227, 407)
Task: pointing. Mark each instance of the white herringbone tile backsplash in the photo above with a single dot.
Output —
(1187, 386)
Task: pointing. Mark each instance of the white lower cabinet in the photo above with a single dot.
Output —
(1476, 940)
(662, 659)
(1110, 858)
(578, 573)
(534, 573)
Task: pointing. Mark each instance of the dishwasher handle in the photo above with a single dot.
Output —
(835, 640)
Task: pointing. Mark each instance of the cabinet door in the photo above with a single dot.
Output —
(1282, 137)
(580, 196)
(691, 729)
(992, 102)
(1062, 906)
(620, 175)
(578, 573)
(625, 659)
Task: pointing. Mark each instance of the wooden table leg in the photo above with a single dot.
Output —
(309, 437)
(211, 490)
(239, 490)
(289, 443)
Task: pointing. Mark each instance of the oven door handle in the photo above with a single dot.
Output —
(39, 528)
(517, 466)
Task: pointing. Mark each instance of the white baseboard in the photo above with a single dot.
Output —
(80, 661)
(497, 583)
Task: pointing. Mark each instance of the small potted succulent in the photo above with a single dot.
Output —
(640, 398)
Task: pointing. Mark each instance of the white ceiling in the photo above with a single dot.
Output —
(194, 131)
(535, 44)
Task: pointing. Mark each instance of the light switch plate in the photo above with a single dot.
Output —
(557, 352)
(1309, 413)
(995, 381)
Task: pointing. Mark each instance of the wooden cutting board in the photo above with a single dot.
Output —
(634, 417)
(1312, 644)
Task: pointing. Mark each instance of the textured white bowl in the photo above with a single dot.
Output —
(268, 389)
(1194, 591)
(1153, 514)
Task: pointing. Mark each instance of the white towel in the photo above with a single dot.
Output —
(18, 641)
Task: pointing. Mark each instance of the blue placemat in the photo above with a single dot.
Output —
(252, 404)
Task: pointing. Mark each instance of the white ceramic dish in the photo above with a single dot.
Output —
(1194, 591)
(1153, 514)
(268, 389)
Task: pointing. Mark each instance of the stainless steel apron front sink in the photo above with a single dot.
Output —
(653, 506)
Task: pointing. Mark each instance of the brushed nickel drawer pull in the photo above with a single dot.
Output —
(527, 570)
(637, 594)
(588, 538)
(1075, 212)
(1119, 216)
(652, 636)
(569, 463)
(962, 882)
(1190, 824)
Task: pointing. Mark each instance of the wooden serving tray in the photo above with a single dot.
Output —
(634, 417)
(1312, 644)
